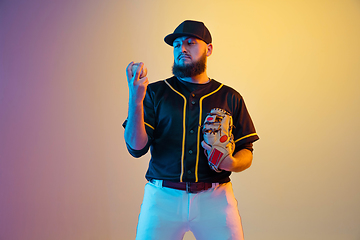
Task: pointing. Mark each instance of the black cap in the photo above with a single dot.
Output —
(190, 28)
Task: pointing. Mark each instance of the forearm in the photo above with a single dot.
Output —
(237, 163)
(135, 134)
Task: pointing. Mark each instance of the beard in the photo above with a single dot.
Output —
(191, 69)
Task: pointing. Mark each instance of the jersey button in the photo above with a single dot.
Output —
(193, 102)
(189, 171)
(190, 151)
(191, 131)
(193, 95)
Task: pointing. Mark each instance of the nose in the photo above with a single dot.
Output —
(183, 49)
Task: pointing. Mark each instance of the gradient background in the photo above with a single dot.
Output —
(65, 173)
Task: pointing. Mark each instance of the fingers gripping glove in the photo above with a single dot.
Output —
(217, 132)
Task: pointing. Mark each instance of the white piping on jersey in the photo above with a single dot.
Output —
(184, 132)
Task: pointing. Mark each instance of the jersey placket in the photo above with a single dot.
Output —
(191, 137)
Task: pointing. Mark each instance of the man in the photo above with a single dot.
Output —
(184, 193)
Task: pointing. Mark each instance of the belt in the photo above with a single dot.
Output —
(189, 187)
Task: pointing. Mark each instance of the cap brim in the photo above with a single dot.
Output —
(169, 39)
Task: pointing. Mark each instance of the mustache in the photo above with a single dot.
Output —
(183, 55)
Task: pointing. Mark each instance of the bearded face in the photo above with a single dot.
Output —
(190, 69)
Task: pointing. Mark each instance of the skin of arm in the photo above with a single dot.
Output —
(239, 162)
(135, 134)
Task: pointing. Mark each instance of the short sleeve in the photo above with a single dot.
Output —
(244, 130)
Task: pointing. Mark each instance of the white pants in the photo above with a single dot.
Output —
(167, 214)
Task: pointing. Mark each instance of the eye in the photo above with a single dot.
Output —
(176, 45)
(191, 42)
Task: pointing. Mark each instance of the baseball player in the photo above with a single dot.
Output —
(198, 132)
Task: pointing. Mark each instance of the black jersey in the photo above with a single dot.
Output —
(174, 112)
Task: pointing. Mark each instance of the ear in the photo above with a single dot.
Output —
(209, 49)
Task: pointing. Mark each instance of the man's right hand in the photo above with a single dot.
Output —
(135, 132)
(137, 85)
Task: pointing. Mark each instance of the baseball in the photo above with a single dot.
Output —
(143, 71)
